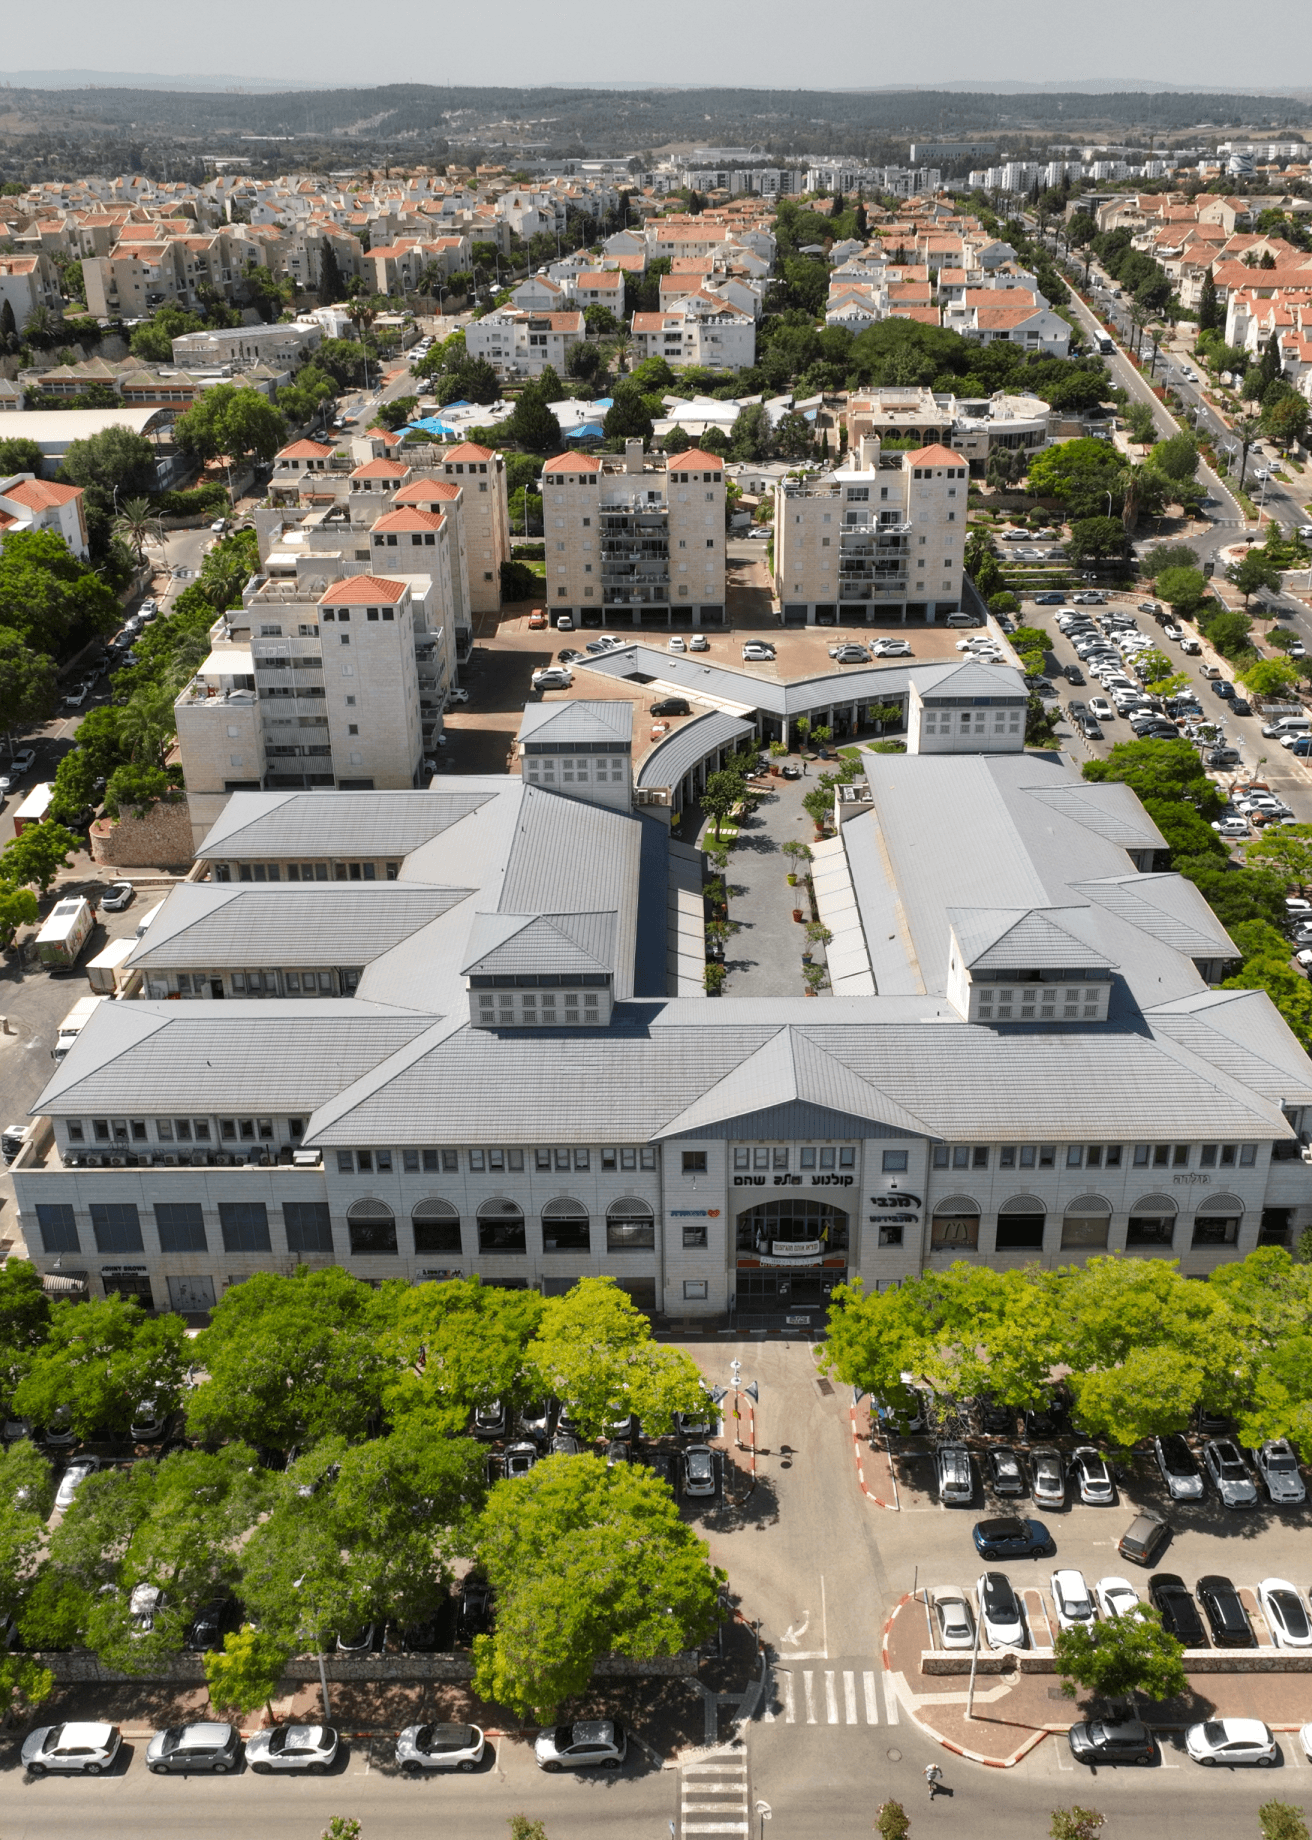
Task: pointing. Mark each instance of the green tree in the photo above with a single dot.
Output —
(1229, 633)
(133, 524)
(1263, 676)
(1080, 474)
(521, 1828)
(29, 687)
(153, 341)
(1096, 539)
(1177, 457)
(331, 286)
(891, 1822)
(1286, 419)
(1246, 429)
(794, 436)
(594, 1348)
(18, 907)
(586, 1560)
(629, 414)
(1121, 1657)
(1076, 1823)
(751, 437)
(100, 1360)
(114, 457)
(293, 1358)
(19, 455)
(722, 792)
(244, 1675)
(1256, 570)
(233, 421)
(1160, 770)
(1288, 850)
(1211, 314)
(1139, 421)
(1164, 556)
(49, 598)
(453, 1346)
(533, 426)
(1281, 1821)
(35, 858)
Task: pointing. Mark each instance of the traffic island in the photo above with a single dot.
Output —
(1018, 1698)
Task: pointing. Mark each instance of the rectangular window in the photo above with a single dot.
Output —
(478, 1161)
(542, 1159)
(778, 1159)
(581, 1158)
(1227, 1156)
(1087, 1231)
(694, 1235)
(181, 1226)
(609, 1159)
(647, 1158)
(58, 1227)
(570, 1234)
(694, 1161)
(979, 1157)
(1150, 1230)
(1020, 1232)
(630, 1235)
(1074, 1156)
(116, 1225)
(437, 1236)
(345, 1162)
(1142, 1155)
(1111, 1156)
(307, 1226)
(894, 1161)
(372, 1238)
(1047, 1156)
(760, 1159)
(1007, 1157)
(806, 1158)
(1161, 1156)
(410, 1161)
(1247, 1155)
(1180, 1156)
(502, 1235)
(245, 1226)
(1216, 1230)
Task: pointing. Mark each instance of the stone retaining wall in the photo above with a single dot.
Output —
(1194, 1660)
(162, 839)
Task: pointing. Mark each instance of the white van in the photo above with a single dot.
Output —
(1288, 726)
(146, 918)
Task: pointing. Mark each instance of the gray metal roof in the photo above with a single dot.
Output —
(275, 1057)
(1012, 939)
(578, 721)
(569, 857)
(213, 925)
(1167, 906)
(508, 943)
(970, 678)
(280, 826)
(745, 689)
(687, 746)
(1109, 809)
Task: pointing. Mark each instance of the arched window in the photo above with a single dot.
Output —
(1218, 1221)
(372, 1227)
(437, 1226)
(565, 1226)
(501, 1227)
(955, 1226)
(1152, 1221)
(1084, 1224)
(1020, 1224)
(630, 1226)
(796, 1221)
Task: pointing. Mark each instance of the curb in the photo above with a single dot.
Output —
(865, 1488)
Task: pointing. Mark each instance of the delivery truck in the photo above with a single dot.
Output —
(73, 1024)
(65, 932)
(107, 972)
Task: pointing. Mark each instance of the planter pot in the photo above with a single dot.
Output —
(774, 772)
(806, 958)
(791, 880)
(811, 992)
(797, 915)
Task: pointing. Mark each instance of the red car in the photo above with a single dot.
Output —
(537, 619)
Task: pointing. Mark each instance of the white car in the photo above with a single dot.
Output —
(1000, 1611)
(440, 1747)
(891, 648)
(312, 1748)
(1285, 1612)
(73, 1478)
(89, 1749)
(551, 677)
(1100, 708)
(1071, 1600)
(456, 695)
(1117, 1597)
(587, 1744)
(954, 1620)
(699, 643)
(758, 649)
(1232, 1741)
(1231, 827)
(676, 643)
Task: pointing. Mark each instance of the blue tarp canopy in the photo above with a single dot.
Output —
(590, 431)
(431, 424)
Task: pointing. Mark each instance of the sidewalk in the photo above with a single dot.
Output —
(1013, 1711)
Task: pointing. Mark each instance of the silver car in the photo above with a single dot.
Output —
(73, 1478)
(1229, 1473)
(1278, 1467)
(194, 1747)
(587, 1744)
(699, 1470)
(1049, 1479)
(954, 1619)
(88, 1750)
(312, 1748)
(440, 1747)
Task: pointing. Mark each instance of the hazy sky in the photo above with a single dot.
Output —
(767, 43)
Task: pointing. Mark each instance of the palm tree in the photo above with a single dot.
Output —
(1246, 429)
(146, 724)
(133, 524)
(620, 347)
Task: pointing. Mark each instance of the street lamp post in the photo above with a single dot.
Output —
(974, 1659)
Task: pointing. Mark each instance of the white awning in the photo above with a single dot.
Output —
(232, 661)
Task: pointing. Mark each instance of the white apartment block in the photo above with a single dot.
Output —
(634, 543)
(700, 329)
(882, 538)
(26, 283)
(29, 503)
(286, 346)
(518, 343)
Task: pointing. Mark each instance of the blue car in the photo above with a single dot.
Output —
(1010, 1537)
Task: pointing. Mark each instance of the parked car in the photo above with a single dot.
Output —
(1179, 1472)
(1012, 1537)
(87, 1749)
(1229, 1473)
(552, 677)
(758, 649)
(73, 1478)
(536, 1419)
(474, 1609)
(1049, 1479)
(520, 1458)
(954, 1620)
(1285, 1612)
(1171, 1598)
(537, 620)
(850, 654)
(117, 897)
(1093, 1476)
(440, 1747)
(1144, 1539)
(1112, 1741)
(670, 706)
(1074, 675)
(1116, 1597)
(1278, 1467)
(586, 1744)
(956, 1481)
(1224, 1609)
(489, 1421)
(1000, 1612)
(211, 1623)
(699, 1470)
(699, 643)
(1006, 1472)
(676, 643)
(1071, 1600)
(1232, 1741)
(203, 1746)
(312, 1748)
(891, 648)
(995, 1419)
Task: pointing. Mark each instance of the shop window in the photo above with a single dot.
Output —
(437, 1227)
(372, 1228)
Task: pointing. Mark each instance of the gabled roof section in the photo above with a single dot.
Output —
(1109, 809)
(787, 1069)
(578, 721)
(426, 492)
(971, 679)
(936, 455)
(541, 942)
(214, 925)
(1168, 907)
(1021, 939)
(356, 590)
(277, 826)
(1242, 1033)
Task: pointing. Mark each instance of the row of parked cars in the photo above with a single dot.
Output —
(546, 1427)
(1051, 1474)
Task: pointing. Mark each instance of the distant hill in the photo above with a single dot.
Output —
(141, 79)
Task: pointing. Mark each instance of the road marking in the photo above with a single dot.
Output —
(824, 1618)
(726, 1777)
(849, 1697)
(831, 1698)
(872, 1699)
(890, 1701)
(790, 1707)
(795, 1631)
(808, 1682)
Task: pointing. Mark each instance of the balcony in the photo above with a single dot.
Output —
(43, 1153)
(645, 597)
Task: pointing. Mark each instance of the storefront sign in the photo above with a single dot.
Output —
(797, 1248)
(1192, 1181)
(895, 1199)
(694, 1213)
(104, 1269)
(832, 1181)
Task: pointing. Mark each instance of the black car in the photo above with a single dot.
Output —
(425, 1635)
(672, 706)
(474, 1610)
(212, 1622)
(1225, 1613)
(1241, 706)
(1012, 1537)
(1170, 1596)
(1006, 1472)
(568, 655)
(1074, 675)
(1101, 1741)
(996, 1420)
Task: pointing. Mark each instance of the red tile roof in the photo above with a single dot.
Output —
(304, 450)
(573, 463)
(695, 456)
(410, 518)
(359, 590)
(381, 469)
(937, 455)
(469, 450)
(42, 494)
(425, 491)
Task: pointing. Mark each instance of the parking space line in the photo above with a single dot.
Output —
(872, 1700)
(831, 1698)
(790, 1705)
(808, 1687)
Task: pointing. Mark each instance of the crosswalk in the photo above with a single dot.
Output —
(713, 1795)
(832, 1696)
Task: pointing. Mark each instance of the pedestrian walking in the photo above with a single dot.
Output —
(933, 1776)
(804, 766)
